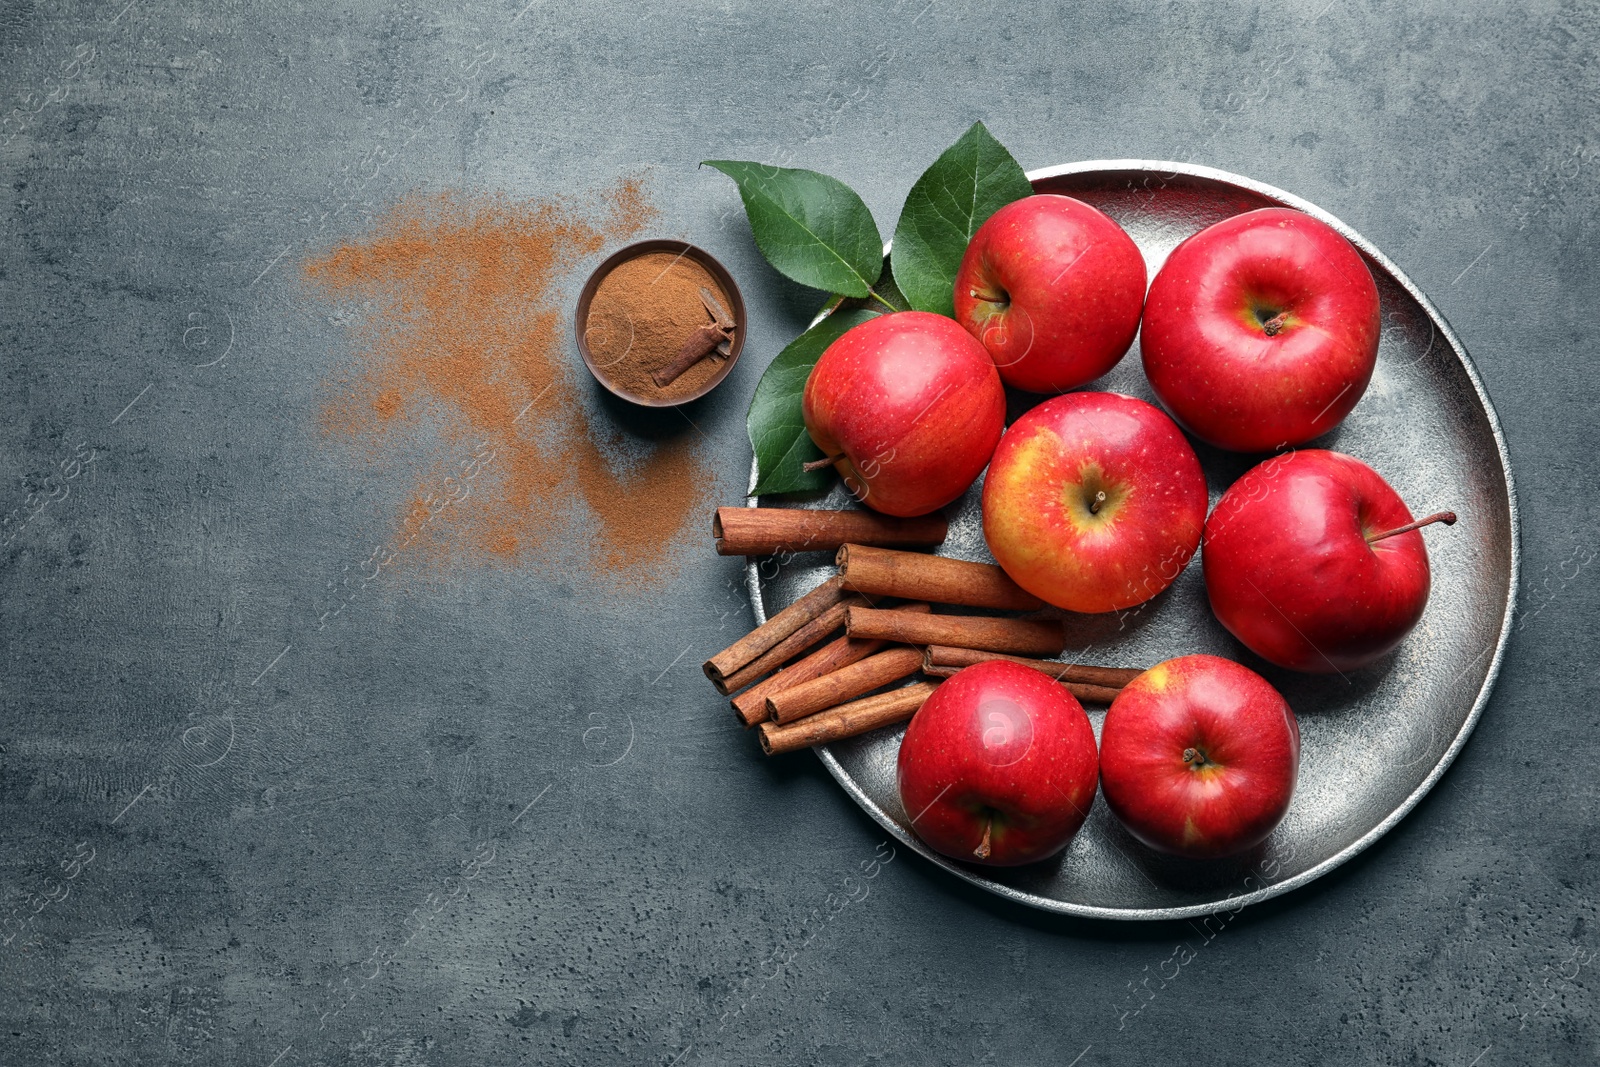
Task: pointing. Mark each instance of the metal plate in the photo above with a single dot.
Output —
(1374, 742)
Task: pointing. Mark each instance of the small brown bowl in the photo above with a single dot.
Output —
(580, 321)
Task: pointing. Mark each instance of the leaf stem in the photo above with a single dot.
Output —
(880, 299)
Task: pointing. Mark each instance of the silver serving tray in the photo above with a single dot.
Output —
(1374, 742)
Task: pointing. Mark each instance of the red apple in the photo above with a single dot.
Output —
(1312, 561)
(998, 766)
(1261, 331)
(1198, 757)
(1094, 502)
(1053, 288)
(908, 407)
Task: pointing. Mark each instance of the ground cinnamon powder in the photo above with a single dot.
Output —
(463, 368)
(641, 313)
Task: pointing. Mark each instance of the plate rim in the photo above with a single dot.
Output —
(1232, 902)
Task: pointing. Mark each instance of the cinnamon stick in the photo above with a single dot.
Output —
(764, 637)
(763, 531)
(797, 643)
(1107, 677)
(698, 346)
(963, 631)
(1085, 694)
(750, 706)
(843, 685)
(846, 720)
(919, 576)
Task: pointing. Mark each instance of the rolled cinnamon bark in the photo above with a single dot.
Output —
(750, 706)
(962, 631)
(1107, 677)
(847, 720)
(920, 576)
(763, 531)
(812, 633)
(760, 640)
(1086, 694)
(843, 685)
(696, 347)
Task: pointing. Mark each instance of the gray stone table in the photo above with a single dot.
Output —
(157, 165)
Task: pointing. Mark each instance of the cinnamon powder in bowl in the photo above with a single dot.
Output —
(660, 323)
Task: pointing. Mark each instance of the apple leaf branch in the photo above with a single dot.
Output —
(817, 231)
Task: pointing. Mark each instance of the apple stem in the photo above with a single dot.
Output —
(1274, 325)
(1099, 499)
(1194, 758)
(1446, 517)
(982, 851)
(825, 461)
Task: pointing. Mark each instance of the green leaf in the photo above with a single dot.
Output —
(974, 178)
(777, 428)
(813, 228)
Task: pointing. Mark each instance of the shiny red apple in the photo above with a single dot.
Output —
(1313, 561)
(1261, 331)
(998, 766)
(908, 408)
(1053, 289)
(1094, 502)
(1198, 757)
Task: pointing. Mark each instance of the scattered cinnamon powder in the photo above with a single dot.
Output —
(465, 364)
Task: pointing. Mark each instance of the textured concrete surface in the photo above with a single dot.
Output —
(214, 850)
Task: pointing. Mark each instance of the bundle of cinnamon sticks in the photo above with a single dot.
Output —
(823, 668)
